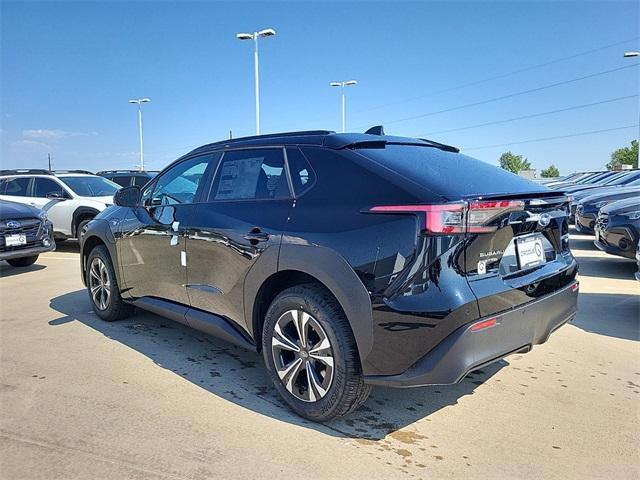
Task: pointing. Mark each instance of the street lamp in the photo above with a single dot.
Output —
(139, 102)
(630, 55)
(344, 102)
(267, 32)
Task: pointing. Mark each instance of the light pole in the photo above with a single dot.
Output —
(344, 101)
(267, 32)
(139, 102)
(631, 55)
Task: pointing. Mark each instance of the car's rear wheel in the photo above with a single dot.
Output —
(311, 354)
(103, 287)
(23, 261)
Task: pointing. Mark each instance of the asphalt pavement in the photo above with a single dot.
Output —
(147, 398)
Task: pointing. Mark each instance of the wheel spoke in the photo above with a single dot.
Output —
(301, 322)
(327, 360)
(290, 373)
(316, 390)
(93, 273)
(281, 340)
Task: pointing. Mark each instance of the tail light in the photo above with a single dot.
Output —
(451, 218)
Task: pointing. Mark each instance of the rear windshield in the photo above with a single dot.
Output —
(451, 175)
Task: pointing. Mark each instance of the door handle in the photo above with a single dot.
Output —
(256, 236)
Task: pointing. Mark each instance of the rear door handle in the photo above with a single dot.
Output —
(256, 236)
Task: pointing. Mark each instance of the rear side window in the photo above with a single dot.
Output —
(122, 180)
(46, 186)
(451, 175)
(140, 180)
(17, 187)
(302, 175)
(256, 174)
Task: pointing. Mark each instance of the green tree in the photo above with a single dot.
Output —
(625, 156)
(514, 163)
(551, 172)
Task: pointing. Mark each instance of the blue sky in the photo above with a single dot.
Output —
(68, 70)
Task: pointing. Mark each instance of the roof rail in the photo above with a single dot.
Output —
(102, 172)
(269, 135)
(87, 172)
(26, 171)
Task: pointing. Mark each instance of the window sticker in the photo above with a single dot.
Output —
(239, 178)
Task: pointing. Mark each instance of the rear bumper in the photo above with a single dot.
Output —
(466, 350)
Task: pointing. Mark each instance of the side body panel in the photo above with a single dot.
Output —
(220, 252)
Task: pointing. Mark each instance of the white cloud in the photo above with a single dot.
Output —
(51, 134)
(30, 145)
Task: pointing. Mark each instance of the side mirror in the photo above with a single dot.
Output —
(128, 196)
(56, 196)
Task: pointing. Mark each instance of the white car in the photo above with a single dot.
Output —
(75, 196)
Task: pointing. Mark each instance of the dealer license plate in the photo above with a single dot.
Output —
(15, 240)
(530, 251)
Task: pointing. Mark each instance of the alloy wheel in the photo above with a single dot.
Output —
(99, 284)
(302, 355)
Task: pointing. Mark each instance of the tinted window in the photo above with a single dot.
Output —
(302, 175)
(122, 180)
(16, 186)
(180, 183)
(448, 174)
(250, 174)
(140, 180)
(46, 186)
(87, 186)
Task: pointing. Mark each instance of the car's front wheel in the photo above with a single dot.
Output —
(103, 287)
(23, 261)
(311, 354)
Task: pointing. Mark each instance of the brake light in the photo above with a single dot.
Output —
(482, 212)
(444, 218)
(454, 217)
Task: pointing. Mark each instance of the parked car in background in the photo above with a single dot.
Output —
(572, 179)
(587, 209)
(79, 195)
(25, 233)
(618, 227)
(348, 260)
(616, 178)
(623, 179)
(125, 178)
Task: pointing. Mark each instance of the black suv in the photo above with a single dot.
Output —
(25, 233)
(125, 178)
(349, 260)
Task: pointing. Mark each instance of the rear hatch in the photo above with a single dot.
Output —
(515, 232)
(517, 249)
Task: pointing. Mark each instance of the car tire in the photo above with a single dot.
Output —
(102, 286)
(81, 225)
(304, 378)
(23, 261)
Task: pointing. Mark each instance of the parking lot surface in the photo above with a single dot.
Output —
(148, 398)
